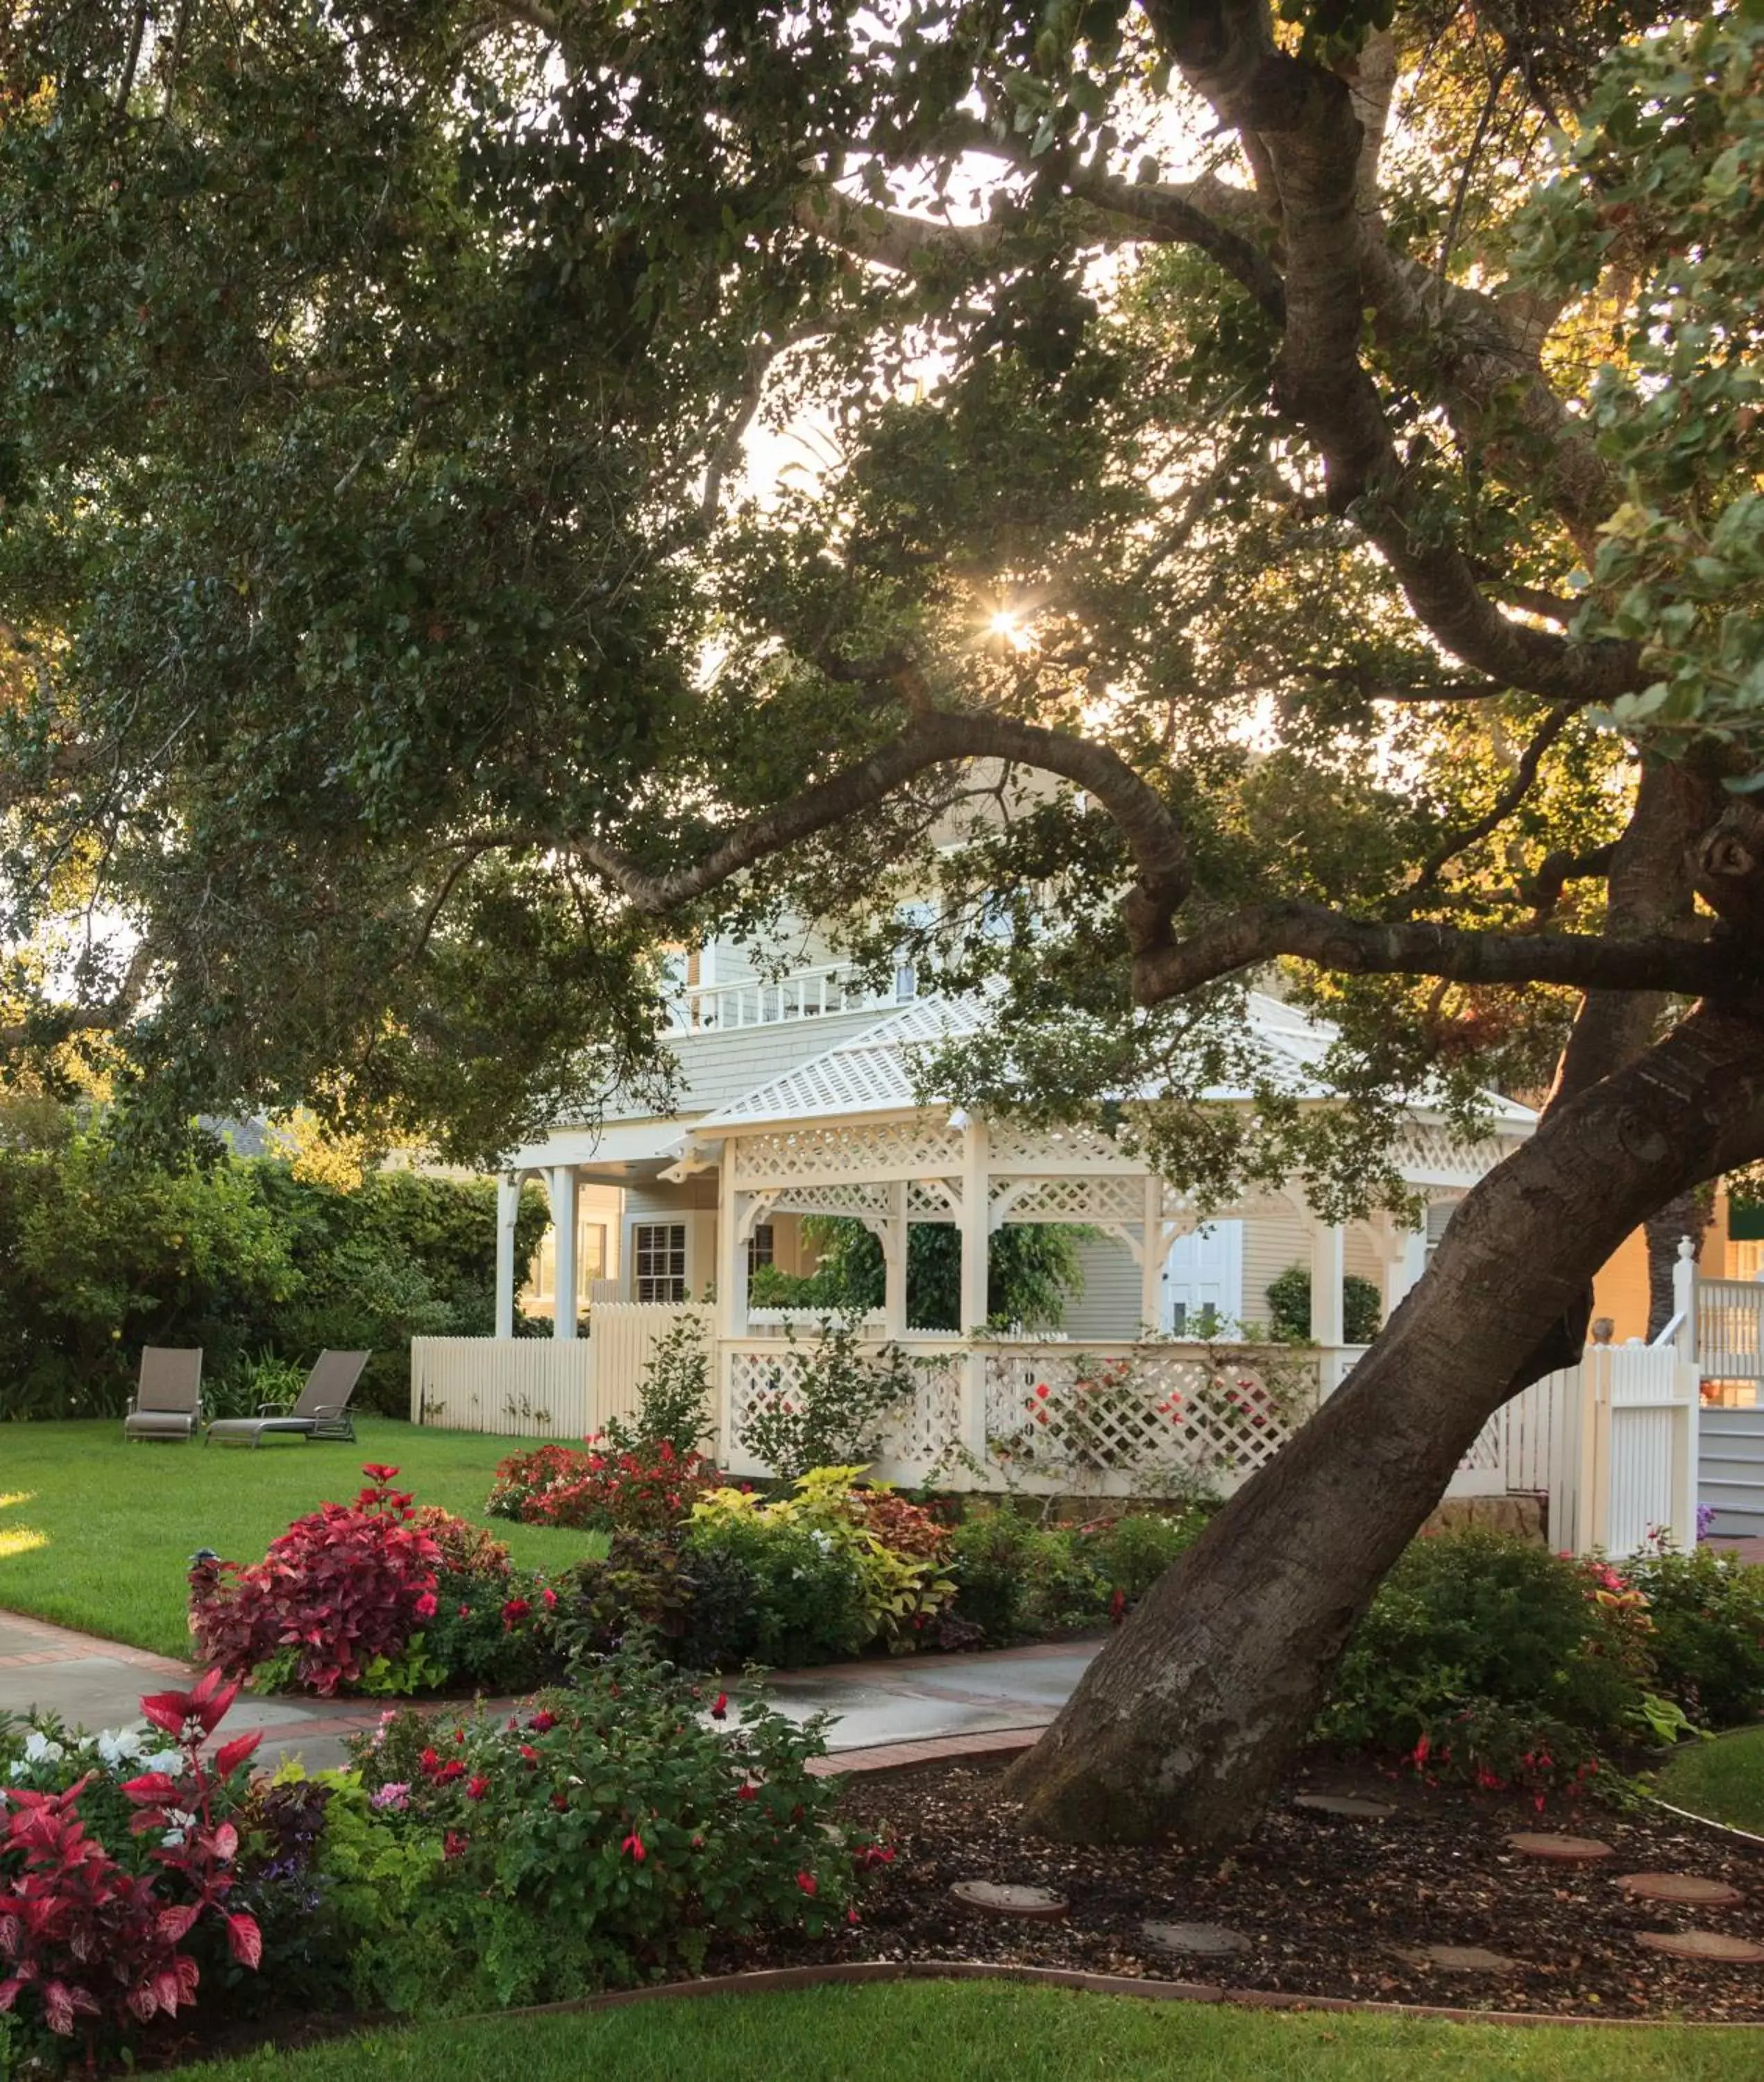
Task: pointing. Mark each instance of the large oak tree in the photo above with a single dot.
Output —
(1284, 495)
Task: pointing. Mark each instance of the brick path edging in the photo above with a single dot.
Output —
(771, 1979)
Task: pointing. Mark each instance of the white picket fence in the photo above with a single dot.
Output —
(540, 1388)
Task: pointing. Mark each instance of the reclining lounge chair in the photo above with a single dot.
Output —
(322, 1411)
(168, 1403)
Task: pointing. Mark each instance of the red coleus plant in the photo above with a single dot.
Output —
(347, 1584)
(80, 1937)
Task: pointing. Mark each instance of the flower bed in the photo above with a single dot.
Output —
(596, 1838)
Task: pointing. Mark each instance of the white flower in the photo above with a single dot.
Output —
(166, 1760)
(39, 1749)
(118, 1746)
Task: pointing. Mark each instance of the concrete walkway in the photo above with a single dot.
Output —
(95, 1683)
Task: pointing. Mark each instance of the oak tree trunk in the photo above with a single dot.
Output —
(1185, 1721)
(1686, 1214)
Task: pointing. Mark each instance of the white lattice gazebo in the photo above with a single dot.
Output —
(846, 1134)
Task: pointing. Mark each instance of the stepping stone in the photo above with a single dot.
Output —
(1561, 1850)
(1703, 1945)
(1344, 1804)
(1463, 1959)
(1684, 1888)
(1040, 1904)
(1207, 1941)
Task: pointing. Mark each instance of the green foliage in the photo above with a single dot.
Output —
(1134, 1551)
(102, 1251)
(1706, 1645)
(1032, 1271)
(1016, 1579)
(1497, 1661)
(1288, 1307)
(674, 1396)
(826, 1406)
(603, 1838)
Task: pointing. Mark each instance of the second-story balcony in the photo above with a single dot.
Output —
(809, 993)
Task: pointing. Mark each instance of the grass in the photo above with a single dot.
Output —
(97, 1535)
(951, 2031)
(1723, 1779)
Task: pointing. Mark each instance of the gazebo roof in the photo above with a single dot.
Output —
(872, 1072)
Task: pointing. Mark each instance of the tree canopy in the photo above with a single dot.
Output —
(1257, 425)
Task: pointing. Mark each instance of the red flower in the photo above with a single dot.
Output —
(720, 1711)
(514, 1612)
(454, 1844)
(548, 1598)
(542, 1720)
(478, 1786)
(561, 1801)
(530, 1753)
(634, 1845)
(428, 1764)
(377, 1471)
(449, 1771)
(747, 1792)
(1041, 1391)
(464, 1611)
(808, 1883)
(425, 1606)
(853, 1916)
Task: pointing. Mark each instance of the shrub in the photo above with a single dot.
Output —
(831, 1410)
(1495, 1660)
(1707, 1610)
(603, 1837)
(673, 1405)
(1288, 1307)
(337, 1599)
(643, 1489)
(808, 1603)
(89, 1941)
(1015, 1578)
(1133, 1551)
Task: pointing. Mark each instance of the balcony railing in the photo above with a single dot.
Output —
(703, 1008)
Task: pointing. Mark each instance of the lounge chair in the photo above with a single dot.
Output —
(322, 1411)
(167, 1402)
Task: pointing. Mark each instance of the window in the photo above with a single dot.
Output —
(760, 1246)
(659, 1250)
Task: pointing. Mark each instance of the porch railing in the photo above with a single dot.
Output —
(1730, 1334)
(755, 1002)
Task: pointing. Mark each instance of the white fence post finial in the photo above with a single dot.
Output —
(1684, 1299)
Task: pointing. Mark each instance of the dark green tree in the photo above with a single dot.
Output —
(1276, 514)
(1032, 1271)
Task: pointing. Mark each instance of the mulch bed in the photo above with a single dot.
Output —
(1329, 1905)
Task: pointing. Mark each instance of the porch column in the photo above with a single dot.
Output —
(1403, 1265)
(976, 1226)
(1152, 1259)
(563, 1221)
(894, 1236)
(507, 1211)
(1328, 1255)
(731, 1260)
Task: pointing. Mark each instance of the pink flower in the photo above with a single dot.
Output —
(464, 1611)
(808, 1883)
(395, 1797)
(548, 1598)
(634, 1845)
(454, 1844)
(425, 1608)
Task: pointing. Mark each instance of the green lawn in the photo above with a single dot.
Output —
(1724, 1779)
(951, 2032)
(96, 1534)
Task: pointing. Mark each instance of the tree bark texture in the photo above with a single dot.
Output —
(1185, 1722)
(1687, 1214)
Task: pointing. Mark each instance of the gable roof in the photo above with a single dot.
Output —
(873, 1071)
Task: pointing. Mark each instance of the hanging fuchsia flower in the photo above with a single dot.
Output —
(548, 1598)
(720, 1711)
(808, 1883)
(542, 1721)
(634, 1845)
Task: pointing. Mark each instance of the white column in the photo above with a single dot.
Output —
(1403, 1266)
(976, 1236)
(976, 1226)
(1327, 1252)
(507, 1211)
(731, 1261)
(1684, 1303)
(563, 1221)
(1152, 1259)
(894, 1236)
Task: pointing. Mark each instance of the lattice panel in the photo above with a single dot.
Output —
(934, 1200)
(1488, 1454)
(883, 1149)
(1106, 1197)
(1166, 1416)
(861, 1200)
(915, 1442)
(1016, 1147)
(1427, 1146)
